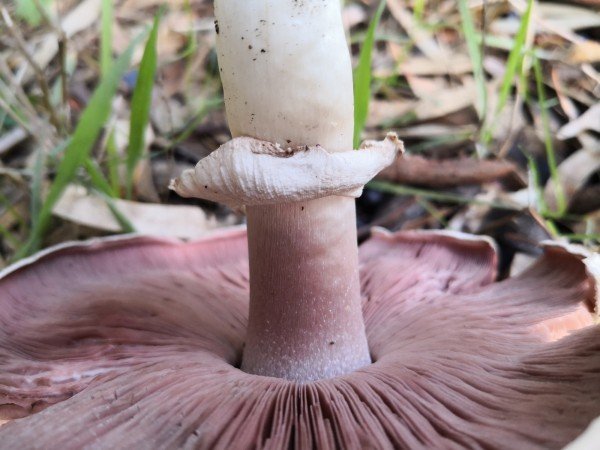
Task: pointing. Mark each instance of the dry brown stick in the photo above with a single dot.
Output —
(420, 171)
(62, 53)
(21, 45)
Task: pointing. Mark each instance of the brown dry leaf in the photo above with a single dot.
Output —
(566, 103)
(424, 87)
(188, 222)
(173, 33)
(590, 225)
(382, 112)
(80, 18)
(584, 52)
(130, 7)
(420, 171)
(352, 15)
(143, 181)
(521, 262)
(552, 16)
(446, 101)
(169, 42)
(589, 120)
(422, 37)
(573, 173)
(568, 16)
(429, 130)
(432, 105)
(455, 64)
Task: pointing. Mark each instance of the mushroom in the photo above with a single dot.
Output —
(288, 337)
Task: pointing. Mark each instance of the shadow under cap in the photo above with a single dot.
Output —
(134, 344)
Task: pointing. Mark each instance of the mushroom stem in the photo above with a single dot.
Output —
(287, 79)
(305, 318)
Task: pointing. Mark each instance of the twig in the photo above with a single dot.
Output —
(417, 170)
(21, 45)
(62, 53)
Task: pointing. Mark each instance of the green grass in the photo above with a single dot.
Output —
(206, 107)
(514, 65)
(28, 10)
(535, 183)
(106, 37)
(362, 77)
(390, 188)
(78, 148)
(418, 9)
(515, 58)
(561, 201)
(112, 163)
(473, 46)
(140, 106)
(126, 225)
(97, 177)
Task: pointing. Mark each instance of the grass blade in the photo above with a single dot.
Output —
(476, 56)
(79, 147)
(11, 238)
(27, 9)
(113, 161)
(106, 37)
(515, 57)
(418, 9)
(535, 186)
(140, 105)
(35, 204)
(126, 225)
(559, 193)
(396, 189)
(97, 177)
(362, 77)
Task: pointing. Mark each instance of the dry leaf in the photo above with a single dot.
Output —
(435, 104)
(455, 64)
(447, 101)
(80, 18)
(189, 222)
(586, 51)
(589, 120)
(568, 16)
(521, 262)
(382, 112)
(353, 15)
(424, 87)
(573, 173)
(422, 37)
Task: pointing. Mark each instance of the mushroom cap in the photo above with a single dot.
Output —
(134, 343)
